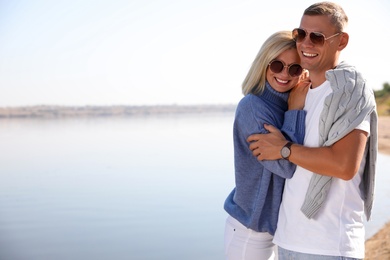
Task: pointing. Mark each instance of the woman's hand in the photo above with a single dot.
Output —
(296, 100)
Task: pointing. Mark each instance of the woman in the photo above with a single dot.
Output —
(253, 205)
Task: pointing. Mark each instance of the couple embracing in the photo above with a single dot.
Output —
(305, 147)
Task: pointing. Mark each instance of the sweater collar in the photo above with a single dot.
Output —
(274, 96)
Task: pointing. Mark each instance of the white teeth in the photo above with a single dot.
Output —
(281, 81)
(309, 54)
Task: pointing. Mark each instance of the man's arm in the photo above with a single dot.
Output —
(341, 160)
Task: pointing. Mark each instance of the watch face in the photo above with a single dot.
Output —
(285, 152)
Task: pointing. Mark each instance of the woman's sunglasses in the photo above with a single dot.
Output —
(277, 66)
(315, 37)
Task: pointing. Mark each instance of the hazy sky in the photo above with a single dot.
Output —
(143, 52)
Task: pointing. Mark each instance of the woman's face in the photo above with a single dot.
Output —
(283, 81)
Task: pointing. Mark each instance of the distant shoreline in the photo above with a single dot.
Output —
(48, 111)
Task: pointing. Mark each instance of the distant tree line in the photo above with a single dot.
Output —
(42, 111)
(382, 98)
(383, 92)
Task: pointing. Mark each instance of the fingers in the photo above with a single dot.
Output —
(304, 76)
(302, 84)
(304, 79)
(255, 151)
(257, 137)
(270, 128)
(253, 138)
(253, 146)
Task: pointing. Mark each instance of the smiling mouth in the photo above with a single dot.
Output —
(281, 81)
(309, 55)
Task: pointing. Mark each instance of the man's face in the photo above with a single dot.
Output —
(318, 57)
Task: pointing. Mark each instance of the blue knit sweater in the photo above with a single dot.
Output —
(255, 200)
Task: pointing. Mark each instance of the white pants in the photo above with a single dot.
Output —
(242, 243)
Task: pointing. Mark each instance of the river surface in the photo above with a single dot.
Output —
(123, 188)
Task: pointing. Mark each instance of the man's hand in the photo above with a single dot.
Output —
(267, 146)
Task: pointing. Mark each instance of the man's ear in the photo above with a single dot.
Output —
(344, 38)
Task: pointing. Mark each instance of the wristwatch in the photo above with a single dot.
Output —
(286, 150)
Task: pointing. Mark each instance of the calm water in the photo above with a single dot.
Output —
(123, 188)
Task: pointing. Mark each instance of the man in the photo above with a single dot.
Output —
(321, 215)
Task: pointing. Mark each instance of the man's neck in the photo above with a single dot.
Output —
(317, 79)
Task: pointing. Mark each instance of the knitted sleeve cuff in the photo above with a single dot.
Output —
(316, 194)
(294, 125)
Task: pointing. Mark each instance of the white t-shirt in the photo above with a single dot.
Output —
(337, 229)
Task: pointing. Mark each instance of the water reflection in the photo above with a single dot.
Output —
(128, 188)
(123, 188)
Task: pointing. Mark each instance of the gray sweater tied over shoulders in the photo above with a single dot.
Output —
(344, 109)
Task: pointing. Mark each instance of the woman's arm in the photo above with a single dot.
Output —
(250, 118)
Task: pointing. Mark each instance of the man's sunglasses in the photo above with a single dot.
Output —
(277, 66)
(315, 37)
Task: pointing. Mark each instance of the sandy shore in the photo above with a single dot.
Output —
(378, 246)
(384, 134)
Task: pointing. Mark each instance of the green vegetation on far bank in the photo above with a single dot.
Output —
(382, 98)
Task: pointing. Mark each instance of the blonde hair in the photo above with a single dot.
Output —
(276, 44)
(336, 13)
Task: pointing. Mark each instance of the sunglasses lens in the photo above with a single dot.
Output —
(276, 66)
(295, 70)
(317, 38)
(298, 34)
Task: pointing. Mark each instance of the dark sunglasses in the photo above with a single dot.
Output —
(315, 37)
(277, 66)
